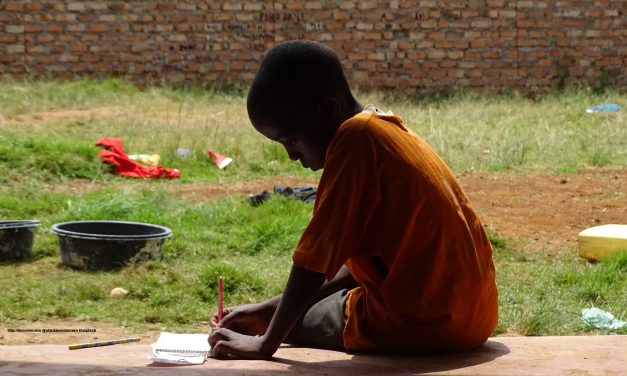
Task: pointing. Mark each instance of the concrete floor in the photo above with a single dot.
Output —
(584, 355)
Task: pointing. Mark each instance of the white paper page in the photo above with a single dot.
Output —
(174, 348)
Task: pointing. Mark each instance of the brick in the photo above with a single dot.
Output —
(33, 28)
(376, 56)
(76, 7)
(455, 55)
(66, 58)
(525, 23)
(76, 27)
(97, 5)
(428, 24)
(14, 29)
(107, 18)
(55, 28)
(77, 47)
(7, 38)
(231, 6)
(45, 38)
(98, 28)
(57, 49)
(611, 13)
(89, 37)
(424, 43)
(6, 59)
(89, 58)
(34, 6)
(16, 48)
(363, 4)
(253, 6)
(13, 6)
(438, 73)
(436, 54)
(177, 38)
(185, 6)
(480, 24)
(165, 27)
(66, 38)
(65, 17)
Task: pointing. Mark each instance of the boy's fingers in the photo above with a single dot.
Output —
(220, 350)
(218, 335)
(226, 348)
(214, 318)
(219, 342)
(229, 319)
(213, 321)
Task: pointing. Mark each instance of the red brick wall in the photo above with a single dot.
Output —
(420, 45)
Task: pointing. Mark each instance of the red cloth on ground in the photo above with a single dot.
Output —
(113, 154)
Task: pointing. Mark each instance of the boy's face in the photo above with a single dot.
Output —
(305, 140)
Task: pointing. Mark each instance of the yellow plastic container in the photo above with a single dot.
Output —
(601, 242)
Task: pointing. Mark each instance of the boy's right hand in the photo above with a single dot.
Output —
(248, 319)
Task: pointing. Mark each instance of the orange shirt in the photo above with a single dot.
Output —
(390, 209)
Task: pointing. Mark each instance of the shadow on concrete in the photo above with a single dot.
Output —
(358, 364)
(371, 365)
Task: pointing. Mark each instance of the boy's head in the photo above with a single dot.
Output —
(299, 98)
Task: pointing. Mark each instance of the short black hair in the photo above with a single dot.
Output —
(300, 73)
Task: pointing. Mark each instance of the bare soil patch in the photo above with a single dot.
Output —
(67, 332)
(37, 120)
(192, 191)
(548, 210)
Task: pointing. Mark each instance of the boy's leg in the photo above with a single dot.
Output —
(323, 324)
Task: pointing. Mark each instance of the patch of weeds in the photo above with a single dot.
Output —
(89, 291)
(237, 282)
(272, 228)
(48, 158)
(497, 241)
(29, 201)
(599, 157)
(535, 324)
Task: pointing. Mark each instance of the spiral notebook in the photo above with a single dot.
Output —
(175, 348)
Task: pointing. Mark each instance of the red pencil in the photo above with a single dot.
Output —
(219, 298)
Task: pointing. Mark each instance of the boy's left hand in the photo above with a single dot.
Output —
(225, 342)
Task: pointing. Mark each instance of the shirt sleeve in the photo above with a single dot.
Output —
(347, 196)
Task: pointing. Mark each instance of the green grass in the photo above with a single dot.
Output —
(47, 135)
(49, 128)
(48, 131)
(544, 293)
(514, 133)
(250, 246)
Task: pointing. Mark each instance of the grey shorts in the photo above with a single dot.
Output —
(323, 324)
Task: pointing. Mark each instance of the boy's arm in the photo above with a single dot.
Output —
(246, 319)
(342, 280)
(301, 290)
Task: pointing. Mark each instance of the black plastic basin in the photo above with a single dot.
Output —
(16, 239)
(107, 245)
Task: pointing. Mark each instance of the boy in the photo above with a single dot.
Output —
(394, 259)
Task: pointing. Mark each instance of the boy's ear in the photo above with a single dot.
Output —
(329, 107)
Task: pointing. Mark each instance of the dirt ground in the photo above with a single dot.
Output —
(548, 210)
(544, 211)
